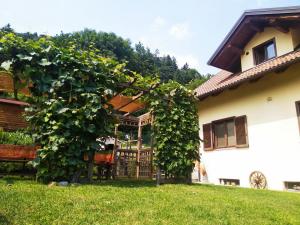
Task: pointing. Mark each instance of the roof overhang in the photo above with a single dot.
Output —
(225, 80)
(227, 55)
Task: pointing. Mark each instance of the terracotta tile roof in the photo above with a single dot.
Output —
(224, 79)
(14, 102)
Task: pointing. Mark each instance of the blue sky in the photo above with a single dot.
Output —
(190, 30)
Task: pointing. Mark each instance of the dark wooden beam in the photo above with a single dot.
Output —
(253, 24)
(255, 28)
(281, 29)
(278, 26)
(236, 49)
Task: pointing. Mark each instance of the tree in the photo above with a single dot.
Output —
(138, 58)
(108, 44)
(168, 68)
(196, 82)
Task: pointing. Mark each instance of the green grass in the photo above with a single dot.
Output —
(124, 202)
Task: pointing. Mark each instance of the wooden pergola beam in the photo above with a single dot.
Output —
(134, 98)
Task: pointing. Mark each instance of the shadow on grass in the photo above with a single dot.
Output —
(125, 183)
(122, 183)
(11, 179)
(4, 220)
(134, 183)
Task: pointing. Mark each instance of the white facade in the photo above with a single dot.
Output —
(273, 130)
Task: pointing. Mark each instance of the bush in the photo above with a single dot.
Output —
(14, 167)
(15, 138)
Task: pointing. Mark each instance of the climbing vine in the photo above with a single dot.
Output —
(70, 108)
(175, 129)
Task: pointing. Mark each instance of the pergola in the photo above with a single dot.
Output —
(132, 162)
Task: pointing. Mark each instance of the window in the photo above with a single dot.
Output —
(231, 182)
(298, 112)
(230, 132)
(264, 52)
(295, 186)
(224, 133)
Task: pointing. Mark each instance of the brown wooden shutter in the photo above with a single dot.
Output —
(207, 136)
(241, 131)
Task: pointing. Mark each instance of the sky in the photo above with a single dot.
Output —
(190, 30)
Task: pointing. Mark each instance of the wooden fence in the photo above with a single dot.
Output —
(133, 163)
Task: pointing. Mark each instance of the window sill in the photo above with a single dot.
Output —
(264, 61)
(228, 148)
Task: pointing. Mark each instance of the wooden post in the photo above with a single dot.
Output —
(158, 176)
(152, 146)
(114, 166)
(139, 146)
(130, 140)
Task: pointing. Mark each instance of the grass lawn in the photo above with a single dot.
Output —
(125, 202)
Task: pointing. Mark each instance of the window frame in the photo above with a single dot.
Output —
(226, 133)
(264, 44)
(209, 137)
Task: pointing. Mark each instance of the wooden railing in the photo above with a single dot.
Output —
(17, 152)
(129, 165)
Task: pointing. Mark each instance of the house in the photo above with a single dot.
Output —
(249, 112)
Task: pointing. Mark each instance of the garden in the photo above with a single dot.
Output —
(59, 118)
(76, 100)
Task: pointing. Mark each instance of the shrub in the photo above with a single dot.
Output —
(15, 167)
(15, 138)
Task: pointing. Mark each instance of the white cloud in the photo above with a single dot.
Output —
(179, 31)
(158, 22)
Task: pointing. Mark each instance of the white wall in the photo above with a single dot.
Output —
(273, 132)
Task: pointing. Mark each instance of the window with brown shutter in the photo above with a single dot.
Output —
(229, 132)
(298, 112)
(224, 133)
(241, 131)
(207, 137)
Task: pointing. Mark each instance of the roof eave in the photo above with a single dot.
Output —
(235, 84)
(252, 12)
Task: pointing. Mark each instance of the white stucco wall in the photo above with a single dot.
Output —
(273, 131)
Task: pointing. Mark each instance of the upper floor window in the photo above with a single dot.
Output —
(264, 51)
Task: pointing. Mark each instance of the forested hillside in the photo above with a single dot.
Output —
(137, 57)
